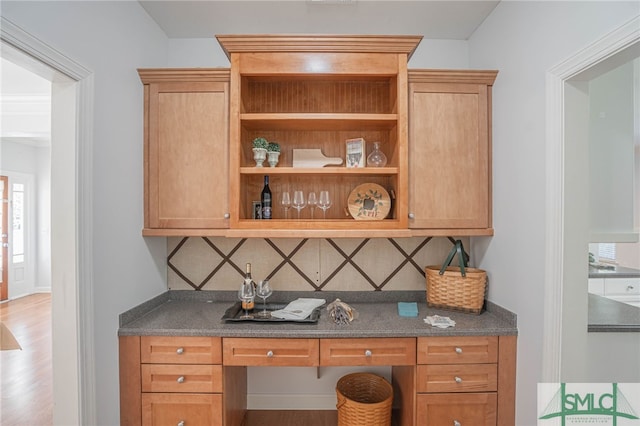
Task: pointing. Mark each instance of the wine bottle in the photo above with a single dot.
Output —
(248, 304)
(265, 199)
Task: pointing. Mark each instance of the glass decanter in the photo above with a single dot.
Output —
(377, 157)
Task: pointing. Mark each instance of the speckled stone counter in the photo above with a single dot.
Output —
(606, 315)
(199, 313)
(616, 272)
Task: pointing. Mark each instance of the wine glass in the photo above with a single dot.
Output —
(298, 201)
(247, 294)
(324, 202)
(312, 201)
(263, 291)
(286, 203)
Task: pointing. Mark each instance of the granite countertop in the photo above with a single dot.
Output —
(616, 272)
(606, 315)
(199, 313)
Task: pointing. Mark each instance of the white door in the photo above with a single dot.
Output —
(21, 235)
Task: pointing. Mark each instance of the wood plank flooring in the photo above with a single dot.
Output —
(290, 418)
(26, 380)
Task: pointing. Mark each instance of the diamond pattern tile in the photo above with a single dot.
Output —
(376, 264)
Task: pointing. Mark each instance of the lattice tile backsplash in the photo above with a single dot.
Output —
(304, 264)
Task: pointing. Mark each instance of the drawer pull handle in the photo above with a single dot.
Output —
(180, 351)
(270, 354)
(368, 353)
(458, 350)
(456, 423)
(180, 379)
(181, 423)
(458, 379)
(630, 287)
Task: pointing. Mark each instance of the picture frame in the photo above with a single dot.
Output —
(256, 210)
(356, 152)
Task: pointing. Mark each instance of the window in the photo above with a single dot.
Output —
(18, 222)
(607, 252)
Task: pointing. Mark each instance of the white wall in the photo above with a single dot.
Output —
(523, 40)
(111, 39)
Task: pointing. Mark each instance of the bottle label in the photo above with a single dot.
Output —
(266, 212)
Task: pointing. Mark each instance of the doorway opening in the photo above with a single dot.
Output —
(71, 236)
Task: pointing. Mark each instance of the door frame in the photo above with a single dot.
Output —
(4, 199)
(558, 256)
(71, 234)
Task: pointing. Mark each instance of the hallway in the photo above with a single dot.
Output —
(26, 375)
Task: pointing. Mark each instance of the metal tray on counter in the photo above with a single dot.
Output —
(235, 311)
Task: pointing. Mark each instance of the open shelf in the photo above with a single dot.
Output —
(318, 121)
(364, 171)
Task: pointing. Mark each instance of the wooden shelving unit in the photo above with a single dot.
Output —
(315, 93)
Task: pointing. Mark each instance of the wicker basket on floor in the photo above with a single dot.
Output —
(364, 399)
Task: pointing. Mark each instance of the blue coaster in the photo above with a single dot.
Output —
(408, 309)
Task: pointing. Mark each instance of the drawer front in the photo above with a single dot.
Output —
(171, 409)
(457, 378)
(180, 350)
(181, 378)
(621, 286)
(458, 350)
(271, 352)
(473, 409)
(394, 351)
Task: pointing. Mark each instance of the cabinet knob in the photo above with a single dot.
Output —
(412, 216)
(458, 350)
(181, 423)
(630, 287)
(227, 215)
(180, 379)
(456, 423)
(368, 353)
(180, 351)
(458, 379)
(270, 354)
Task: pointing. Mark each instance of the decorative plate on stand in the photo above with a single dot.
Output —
(369, 201)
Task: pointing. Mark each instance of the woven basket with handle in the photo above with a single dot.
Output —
(364, 399)
(457, 288)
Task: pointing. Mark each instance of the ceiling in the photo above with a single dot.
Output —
(450, 19)
(25, 105)
(25, 98)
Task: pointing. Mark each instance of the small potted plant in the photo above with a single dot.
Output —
(260, 150)
(273, 151)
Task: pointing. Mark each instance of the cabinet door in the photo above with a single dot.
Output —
(471, 409)
(186, 167)
(171, 409)
(449, 165)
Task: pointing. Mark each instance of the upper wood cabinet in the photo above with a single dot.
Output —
(186, 150)
(450, 152)
(306, 92)
(315, 92)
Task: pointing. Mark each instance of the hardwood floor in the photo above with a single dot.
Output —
(26, 380)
